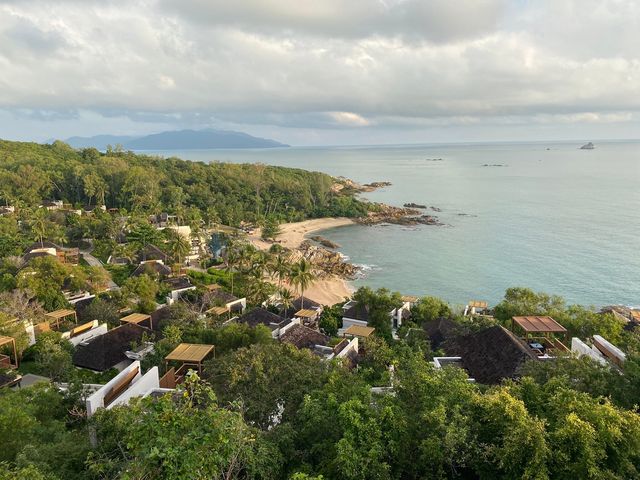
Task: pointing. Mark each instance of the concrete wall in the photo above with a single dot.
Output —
(96, 401)
(95, 331)
(347, 322)
(581, 349)
(142, 387)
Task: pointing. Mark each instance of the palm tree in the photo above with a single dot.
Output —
(143, 234)
(280, 268)
(301, 276)
(39, 224)
(179, 246)
(286, 297)
(231, 258)
(259, 291)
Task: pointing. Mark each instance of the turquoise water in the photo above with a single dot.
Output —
(563, 220)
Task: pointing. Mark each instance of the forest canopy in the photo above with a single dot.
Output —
(227, 193)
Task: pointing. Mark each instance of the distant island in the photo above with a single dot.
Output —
(588, 146)
(177, 140)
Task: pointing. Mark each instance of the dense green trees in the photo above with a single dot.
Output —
(176, 438)
(217, 192)
(379, 305)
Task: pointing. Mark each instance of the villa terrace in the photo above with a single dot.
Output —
(190, 356)
(541, 334)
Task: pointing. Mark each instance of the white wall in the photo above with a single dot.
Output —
(347, 322)
(94, 332)
(96, 401)
(142, 386)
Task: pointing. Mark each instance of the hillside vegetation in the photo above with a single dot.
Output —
(222, 192)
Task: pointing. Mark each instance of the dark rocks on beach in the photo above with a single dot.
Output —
(435, 209)
(325, 262)
(494, 165)
(588, 146)
(325, 242)
(397, 216)
(433, 160)
(414, 205)
(369, 187)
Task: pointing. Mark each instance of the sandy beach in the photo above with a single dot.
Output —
(327, 291)
(293, 234)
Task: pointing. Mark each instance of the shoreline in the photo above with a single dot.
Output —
(327, 291)
(293, 234)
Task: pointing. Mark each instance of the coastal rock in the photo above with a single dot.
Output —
(433, 160)
(494, 165)
(398, 216)
(325, 242)
(325, 262)
(588, 146)
(414, 205)
(346, 183)
(435, 209)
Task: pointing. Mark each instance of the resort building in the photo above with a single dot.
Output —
(129, 383)
(542, 334)
(488, 356)
(184, 358)
(261, 316)
(46, 248)
(599, 350)
(108, 350)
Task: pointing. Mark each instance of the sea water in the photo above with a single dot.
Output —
(550, 217)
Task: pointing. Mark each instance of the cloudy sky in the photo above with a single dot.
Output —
(314, 72)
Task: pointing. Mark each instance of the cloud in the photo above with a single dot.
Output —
(349, 119)
(323, 64)
(433, 20)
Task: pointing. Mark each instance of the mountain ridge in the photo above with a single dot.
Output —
(177, 140)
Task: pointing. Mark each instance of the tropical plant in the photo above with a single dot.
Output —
(302, 276)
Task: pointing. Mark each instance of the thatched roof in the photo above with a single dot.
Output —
(151, 268)
(296, 305)
(260, 316)
(151, 252)
(490, 355)
(178, 283)
(303, 337)
(106, 351)
(357, 312)
(442, 329)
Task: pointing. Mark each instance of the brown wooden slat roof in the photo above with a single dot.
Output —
(190, 353)
(359, 331)
(478, 304)
(534, 324)
(135, 318)
(306, 313)
(217, 310)
(5, 340)
(409, 298)
(57, 314)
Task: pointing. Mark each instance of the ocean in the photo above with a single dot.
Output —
(548, 216)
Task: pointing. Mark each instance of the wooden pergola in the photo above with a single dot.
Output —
(306, 313)
(480, 304)
(5, 360)
(138, 318)
(189, 355)
(409, 298)
(541, 328)
(59, 315)
(358, 331)
(217, 311)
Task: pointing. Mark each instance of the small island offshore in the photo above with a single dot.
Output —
(168, 319)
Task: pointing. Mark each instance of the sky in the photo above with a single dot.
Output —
(322, 72)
